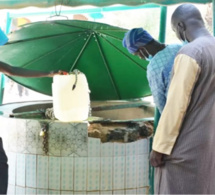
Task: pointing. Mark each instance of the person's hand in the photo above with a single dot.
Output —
(156, 159)
(61, 72)
(58, 72)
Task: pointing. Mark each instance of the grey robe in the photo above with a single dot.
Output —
(190, 168)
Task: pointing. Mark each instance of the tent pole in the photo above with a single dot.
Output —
(162, 33)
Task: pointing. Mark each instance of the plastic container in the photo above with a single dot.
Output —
(71, 104)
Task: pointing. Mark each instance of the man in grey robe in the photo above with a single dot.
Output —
(184, 143)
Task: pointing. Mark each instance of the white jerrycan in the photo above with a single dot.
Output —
(71, 100)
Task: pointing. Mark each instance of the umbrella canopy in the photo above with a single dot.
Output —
(93, 48)
(47, 3)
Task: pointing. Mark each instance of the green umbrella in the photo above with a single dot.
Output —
(93, 48)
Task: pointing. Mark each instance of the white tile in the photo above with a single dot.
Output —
(119, 173)
(40, 145)
(32, 136)
(80, 183)
(106, 173)
(107, 149)
(67, 192)
(34, 140)
(94, 147)
(106, 192)
(37, 128)
(31, 168)
(143, 191)
(119, 149)
(93, 174)
(67, 172)
(11, 190)
(42, 191)
(12, 136)
(81, 193)
(146, 170)
(42, 172)
(131, 172)
(20, 190)
(21, 135)
(31, 191)
(131, 191)
(12, 167)
(81, 137)
(119, 192)
(20, 170)
(55, 139)
(74, 139)
(143, 146)
(131, 148)
(142, 170)
(54, 173)
(146, 146)
(94, 192)
(54, 192)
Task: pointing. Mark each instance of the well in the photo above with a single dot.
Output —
(74, 158)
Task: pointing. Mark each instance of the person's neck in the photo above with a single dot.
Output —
(158, 47)
(198, 32)
(161, 47)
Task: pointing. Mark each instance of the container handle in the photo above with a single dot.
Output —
(76, 71)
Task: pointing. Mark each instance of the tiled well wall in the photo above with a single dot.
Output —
(74, 164)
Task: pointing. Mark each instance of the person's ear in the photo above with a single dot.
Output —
(181, 26)
(181, 31)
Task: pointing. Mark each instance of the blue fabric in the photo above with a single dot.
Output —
(159, 74)
(3, 37)
(135, 38)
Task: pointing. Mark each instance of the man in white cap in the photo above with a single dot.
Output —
(161, 57)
